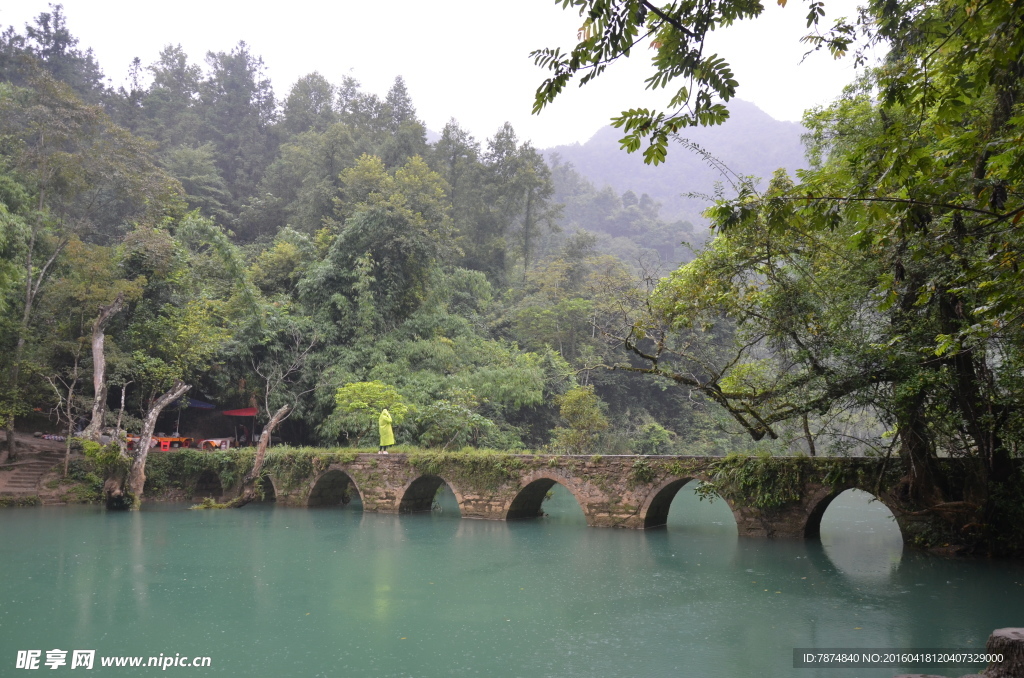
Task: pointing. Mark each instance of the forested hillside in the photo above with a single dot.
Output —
(749, 143)
(311, 248)
(881, 287)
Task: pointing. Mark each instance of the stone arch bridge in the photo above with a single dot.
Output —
(780, 497)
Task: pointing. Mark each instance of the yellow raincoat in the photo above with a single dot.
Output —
(387, 436)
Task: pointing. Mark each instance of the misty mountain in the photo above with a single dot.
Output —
(750, 143)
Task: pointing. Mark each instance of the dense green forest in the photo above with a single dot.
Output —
(881, 286)
(318, 252)
(270, 251)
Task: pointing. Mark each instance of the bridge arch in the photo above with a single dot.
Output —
(528, 500)
(418, 495)
(654, 510)
(208, 485)
(819, 504)
(266, 487)
(332, 488)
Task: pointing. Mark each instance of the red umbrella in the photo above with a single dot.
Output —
(244, 412)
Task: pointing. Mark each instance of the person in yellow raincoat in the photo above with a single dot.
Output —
(387, 436)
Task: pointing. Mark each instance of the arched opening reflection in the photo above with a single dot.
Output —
(208, 485)
(335, 488)
(445, 501)
(858, 534)
(545, 497)
(429, 493)
(680, 507)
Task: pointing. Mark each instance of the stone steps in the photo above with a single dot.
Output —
(25, 477)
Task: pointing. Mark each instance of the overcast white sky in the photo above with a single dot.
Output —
(467, 59)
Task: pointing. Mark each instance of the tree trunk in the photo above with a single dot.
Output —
(128, 492)
(67, 447)
(527, 225)
(69, 414)
(1008, 642)
(809, 437)
(19, 348)
(12, 448)
(7, 452)
(923, 483)
(99, 368)
(32, 286)
(248, 492)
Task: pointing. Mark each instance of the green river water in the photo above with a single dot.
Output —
(266, 591)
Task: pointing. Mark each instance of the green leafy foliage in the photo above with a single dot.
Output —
(30, 500)
(479, 468)
(359, 404)
(106, 458)
(273, 257)
(455, 423)
(875, 297)
(763, 481)
(581, 409)
(642, 473)
(653, 438)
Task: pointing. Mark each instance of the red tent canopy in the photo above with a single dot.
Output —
(244, 412)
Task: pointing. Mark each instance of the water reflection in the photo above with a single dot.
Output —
(341, 592)
(861, 538)
(700, 537)
(445, 502)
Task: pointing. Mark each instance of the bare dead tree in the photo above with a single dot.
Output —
(120, 412)
(275, 375)
(99, 367)
(278, 373)
(248, 493)
(64, 387)
(126, 492)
